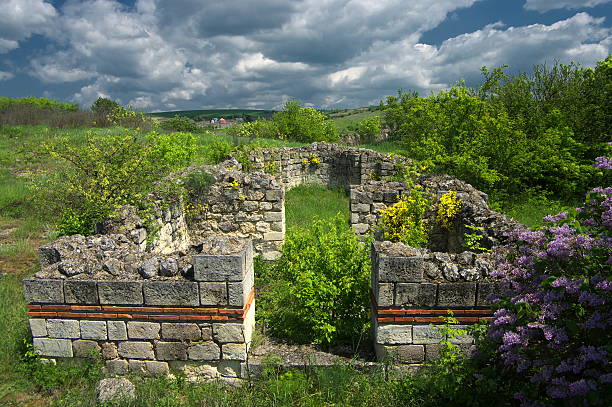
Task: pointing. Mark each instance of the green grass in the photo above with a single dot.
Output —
(530, 210)
(306, 203)
(343, 123)
(219, 113)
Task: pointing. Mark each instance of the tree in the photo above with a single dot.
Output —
(104, 106)
(304, 124)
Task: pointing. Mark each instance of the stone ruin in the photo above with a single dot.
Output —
(178, 292)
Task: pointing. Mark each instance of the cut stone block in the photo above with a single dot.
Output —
(85, 349)
(155, 368)
(143, 330)
(422, 334)
(183, 293)
(204, 351)
(213, 293)
(109, 350)
(43, 291)
(63, 328)
(120, 292)
(400, 353)
(171, 351)
(457, 295)
(234, 351)
(385, 294)
(485, 289)
(94, 330)
(181, 331)
(117, 331)
(81, 292)
(38, 327)
(213, 267)
(61, 348)
(415, 294)
(394, 334)
(224, 333)
(136, 350)
(117, 366)
(231, 368)
(400, 269)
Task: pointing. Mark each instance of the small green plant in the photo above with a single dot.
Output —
(404, 221)
(473, 240)
(180, 123)
(217, 151)
(448, 208)
(271, 167)
(198, 183)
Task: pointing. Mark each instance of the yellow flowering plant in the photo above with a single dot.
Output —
(448, 208)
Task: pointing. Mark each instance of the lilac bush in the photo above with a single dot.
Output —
(553, 326)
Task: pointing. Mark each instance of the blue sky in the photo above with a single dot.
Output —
(197, 54)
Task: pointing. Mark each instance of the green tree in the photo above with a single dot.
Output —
(304, 124)
(369, 128)
(104, 106)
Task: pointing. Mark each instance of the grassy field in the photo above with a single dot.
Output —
(344, 120)
(306, 203)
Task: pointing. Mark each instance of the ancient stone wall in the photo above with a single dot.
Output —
(203, 315)
(412, 288)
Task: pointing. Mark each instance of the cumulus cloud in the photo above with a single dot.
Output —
(543, 6)
(5, 76)
(20, 19)
(188, 54)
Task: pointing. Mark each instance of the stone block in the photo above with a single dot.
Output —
(195, 369)
(273, 216)
(274, 195)
(212, 267)
(400, 353)
(268, 236)
(43, 291)
(394, 334)
(136, 350)
(486, 289)
(38, 327)
(117, 367)
(422, 334)
(385, 294)
(181, 331)
(117, 331)
(109, 350)
(362, 208)
(155, 368)
(415, 294)
(213, 293)
(231, 368)
(207, 333)
(61, 348)
(234, 351)
(183, 293)
(143, 330)
(120, 292)
(171, 351)
(204, 351)
(457, 295)
(85, 349)
(94, 330)
(80, 292)
(400, 269)
(360, 228)
(63, 328)
(238, 292)
(224, 333)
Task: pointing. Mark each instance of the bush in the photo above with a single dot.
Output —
(180, 123)
(369, 129)
(304, 124)
(107, 172)
(318, 290)
(217, 151)
(104, 106)
(38, 103)
(552, 329)
(404, 220)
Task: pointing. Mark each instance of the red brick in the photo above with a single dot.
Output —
(427, 319)
(386, 320)
(389, 311)
(70, 314)
(478, 312)
(55, 307)
(176, 310)
(124, 316)
(195, 317)
(121, 309)
(85, 308)
(206, 310)
(42, 314)
(33, 306)
(404, 319)
(467, 319)
(230, 311)
(104, 315)
(164, 317)
(219, 318)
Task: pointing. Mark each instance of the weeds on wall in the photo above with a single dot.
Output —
(405, 221)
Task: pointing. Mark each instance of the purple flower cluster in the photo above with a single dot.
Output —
(553, 325)
(605, 163)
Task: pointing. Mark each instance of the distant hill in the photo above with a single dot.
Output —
(219, 113)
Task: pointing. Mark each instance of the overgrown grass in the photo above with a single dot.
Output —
(305, 203)
(530, 210)
(344, 123)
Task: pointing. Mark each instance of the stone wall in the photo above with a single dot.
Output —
(203, 315)
(412, 288)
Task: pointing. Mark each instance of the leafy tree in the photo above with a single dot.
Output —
(369, 128)
(104, 106)
(304, 124)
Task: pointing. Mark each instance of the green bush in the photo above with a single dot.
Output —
(180, 123)
(304, 124)
(318, 290)
(39, 103)
(107, 172)
(104, 106)
(217, 151)
(368, 129)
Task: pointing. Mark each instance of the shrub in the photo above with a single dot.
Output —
(107, 172)
(217, 151)
(448, 208)
(318, 290)
(404, 221)
(552, 329)
(38, 103)
(368, 129)
(304, 124)
(104, 106)
(180, 123)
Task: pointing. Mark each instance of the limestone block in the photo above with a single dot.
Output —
(155, 368)
(213, 293)
(44, 291)
(136, 350)
(117, 331)
(273, 236)
(204, 351)
(271, 255)
(211, 267)
(120, 292)
(109, 350)
(415, 294)
(457, 295)
(422, 334)
(361, 228)
(400, 269)
(180, 331)
(143, 330)
(80, 292)
(394, 334)
(273, 217)
(85, 349)
(485, 289)
(363, 208)
(61, 348)
(234, 351)
(183, 293)
(231, 368)
(400, 353)
(94, 330)
(231, 332)
(274, 195)
(171, 351)
(117, 366)
(207, 333)
(63, 328)
(38, 327)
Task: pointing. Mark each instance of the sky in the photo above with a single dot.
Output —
(159, 55)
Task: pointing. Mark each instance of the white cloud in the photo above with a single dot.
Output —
(547, 5)
(5, 76)
(21, 18)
